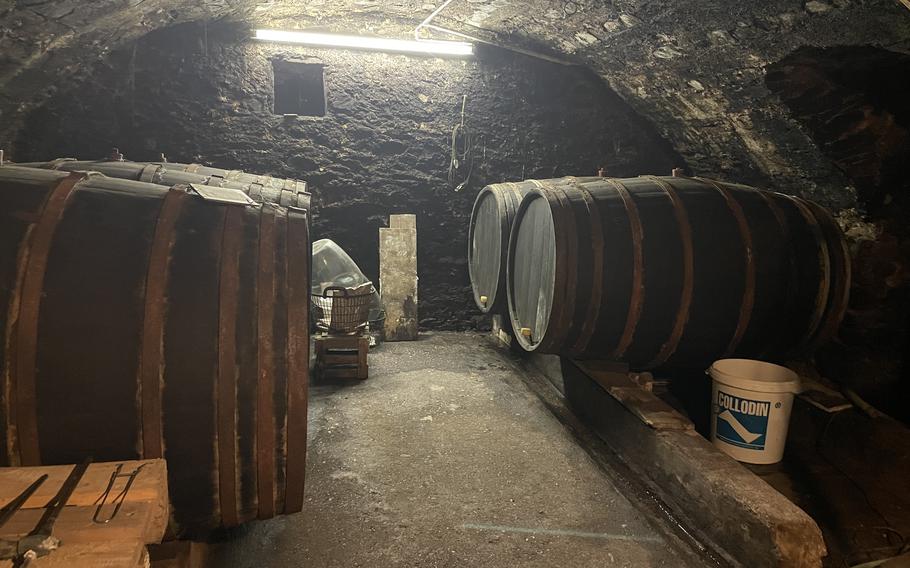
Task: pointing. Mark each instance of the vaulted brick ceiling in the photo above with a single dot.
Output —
(696, 68)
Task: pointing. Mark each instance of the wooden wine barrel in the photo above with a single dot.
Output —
(140, 321)
(488, 241)
(670, 271)
(286, 192)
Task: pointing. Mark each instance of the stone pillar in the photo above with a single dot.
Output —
(398, 277)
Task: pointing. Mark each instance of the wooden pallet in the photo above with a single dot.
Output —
(342, 356)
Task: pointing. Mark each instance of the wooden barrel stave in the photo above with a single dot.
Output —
(768, 240)
(191, 350)
(94, 340)
(279, 390)
(719, 272)
(623, 280)
(700, 269)
(839, 293)
(579, 221)
(247, 354)
(102, 281)
(24, 196)
(810, 273)
(663, 270)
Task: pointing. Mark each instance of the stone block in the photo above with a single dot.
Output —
(398, 277)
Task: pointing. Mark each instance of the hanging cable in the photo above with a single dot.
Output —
(461, 160)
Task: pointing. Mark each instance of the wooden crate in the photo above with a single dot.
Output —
(342, 356)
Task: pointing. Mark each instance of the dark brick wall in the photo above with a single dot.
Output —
(205, 95)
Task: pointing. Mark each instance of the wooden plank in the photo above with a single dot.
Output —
(331, 359)
(344, 373)
(646, 406)
(94, 555)
(180, 554)
(362, 352)
(150, 485)
(134, 523)
(338, 341)
(822, 397)
(405, 221)
(148, 494)
(398, 282)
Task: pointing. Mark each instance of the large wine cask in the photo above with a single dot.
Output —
(488, 240)
(673, 271)
(286, 192)
(140, 321)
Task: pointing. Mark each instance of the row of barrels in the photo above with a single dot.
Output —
(140, 320)
(658, 271)
(262, 189)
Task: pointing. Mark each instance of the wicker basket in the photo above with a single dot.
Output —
(343, 310)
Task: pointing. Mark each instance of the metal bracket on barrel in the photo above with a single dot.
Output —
(221, 194)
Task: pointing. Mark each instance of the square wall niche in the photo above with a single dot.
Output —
(299, 87)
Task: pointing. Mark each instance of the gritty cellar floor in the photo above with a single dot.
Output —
(446, 457)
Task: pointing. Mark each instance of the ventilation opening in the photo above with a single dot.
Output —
(299, 88)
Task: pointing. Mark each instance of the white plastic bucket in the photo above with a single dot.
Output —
(750, 408)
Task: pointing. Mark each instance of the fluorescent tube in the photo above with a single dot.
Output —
(431, 47)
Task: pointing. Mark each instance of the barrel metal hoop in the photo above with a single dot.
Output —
(214, 180)
(636, 302)
(255, 191)
(515, 191)
(748, 301)
(151, 173)
(597, 252)
(56, 164)
(265, 386)
(821, 298)
(841, 294)
(226, 407)
(790, 300)
(565, 284)
(685, 301)
(39, 244)
(151, 362)
(476, 293)
(510, 208)
(298, 239)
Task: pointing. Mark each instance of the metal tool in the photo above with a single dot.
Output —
(8, 510)
(41, 542)
(120, 498)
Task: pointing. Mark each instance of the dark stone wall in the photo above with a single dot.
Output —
(45, 45)
(205, 95)
(697, 70)
(853, 101)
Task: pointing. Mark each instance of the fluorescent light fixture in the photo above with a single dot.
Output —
(427, 46)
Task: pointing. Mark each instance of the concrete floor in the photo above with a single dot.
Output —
(445, 457)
